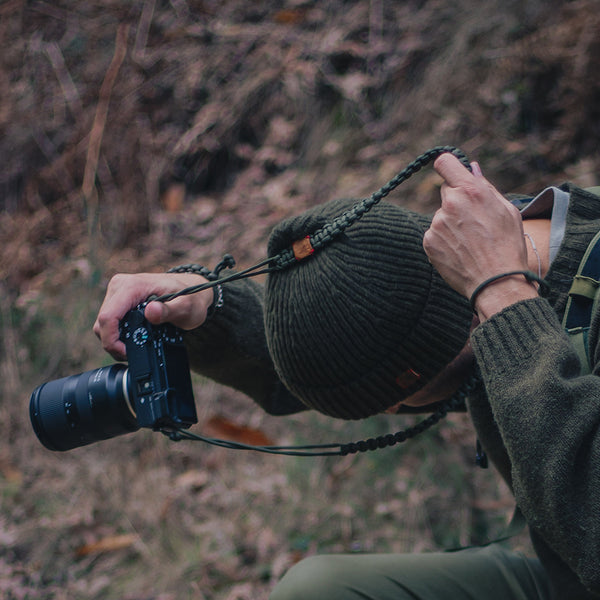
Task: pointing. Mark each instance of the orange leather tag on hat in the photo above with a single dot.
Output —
(302, 248)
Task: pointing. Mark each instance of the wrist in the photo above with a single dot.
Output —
(206, 276)
(217, 301)
(498, 292)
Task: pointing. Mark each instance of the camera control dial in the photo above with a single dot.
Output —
(140, 336)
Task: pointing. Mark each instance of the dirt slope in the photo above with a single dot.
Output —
(139, 135)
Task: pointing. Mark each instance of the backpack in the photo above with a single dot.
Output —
(584, 296)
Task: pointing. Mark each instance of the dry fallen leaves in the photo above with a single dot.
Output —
(221, 427)
(109, 543)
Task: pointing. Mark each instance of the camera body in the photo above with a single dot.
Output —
(159, 373)
(153, 391)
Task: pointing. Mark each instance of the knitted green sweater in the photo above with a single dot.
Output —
(537, 420)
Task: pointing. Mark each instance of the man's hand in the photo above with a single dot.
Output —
(475, 235)
(125, 292)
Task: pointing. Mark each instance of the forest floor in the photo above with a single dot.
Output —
(141, 135)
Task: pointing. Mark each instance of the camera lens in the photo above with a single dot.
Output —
(83, 409)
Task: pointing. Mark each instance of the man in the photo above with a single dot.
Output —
(366, 325)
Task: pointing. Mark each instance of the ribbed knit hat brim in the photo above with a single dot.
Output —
(345, 324)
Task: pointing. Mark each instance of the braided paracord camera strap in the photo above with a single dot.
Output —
(288, 258)
(456, 402)
(330, 231)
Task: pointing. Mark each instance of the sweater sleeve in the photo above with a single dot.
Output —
(231, 349)
(549, 419)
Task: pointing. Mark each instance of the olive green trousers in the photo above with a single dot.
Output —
(486, 573)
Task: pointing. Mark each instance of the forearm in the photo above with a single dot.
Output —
(231, 348)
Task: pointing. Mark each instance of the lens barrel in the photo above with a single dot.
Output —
(82, 409)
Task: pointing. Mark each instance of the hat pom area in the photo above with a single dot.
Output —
(364, 321)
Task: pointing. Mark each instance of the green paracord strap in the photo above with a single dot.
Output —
(288, 257)
(330, 231)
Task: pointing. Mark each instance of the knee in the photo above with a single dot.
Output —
(313, 577)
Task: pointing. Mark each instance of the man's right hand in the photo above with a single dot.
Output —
(477, 234)
(126, 291)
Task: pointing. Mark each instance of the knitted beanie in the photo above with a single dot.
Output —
(366, 320)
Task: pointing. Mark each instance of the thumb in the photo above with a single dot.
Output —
(185, 313)
(157, 313)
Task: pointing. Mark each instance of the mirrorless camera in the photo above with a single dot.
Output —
(153, 391)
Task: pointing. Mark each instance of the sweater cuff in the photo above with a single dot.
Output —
(514, 334)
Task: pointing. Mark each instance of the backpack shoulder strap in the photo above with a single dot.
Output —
(594, 190)
(584, 295)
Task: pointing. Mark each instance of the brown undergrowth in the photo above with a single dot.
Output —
(138, 135)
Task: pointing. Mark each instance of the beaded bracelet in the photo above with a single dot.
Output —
(529, 276)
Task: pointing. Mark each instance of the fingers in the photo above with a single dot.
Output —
(461, 185)
(125, 292)
(476, 169)
(476, 233)
(107, 331)
(454, 173)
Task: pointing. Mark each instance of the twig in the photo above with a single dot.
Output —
(88, 187)
(9, 366)
(143, 28)
(70, 92)
(375, 33)
(91, 163)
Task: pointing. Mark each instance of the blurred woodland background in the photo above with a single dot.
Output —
(140, 135)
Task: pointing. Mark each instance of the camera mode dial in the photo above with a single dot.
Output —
(140, 336)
